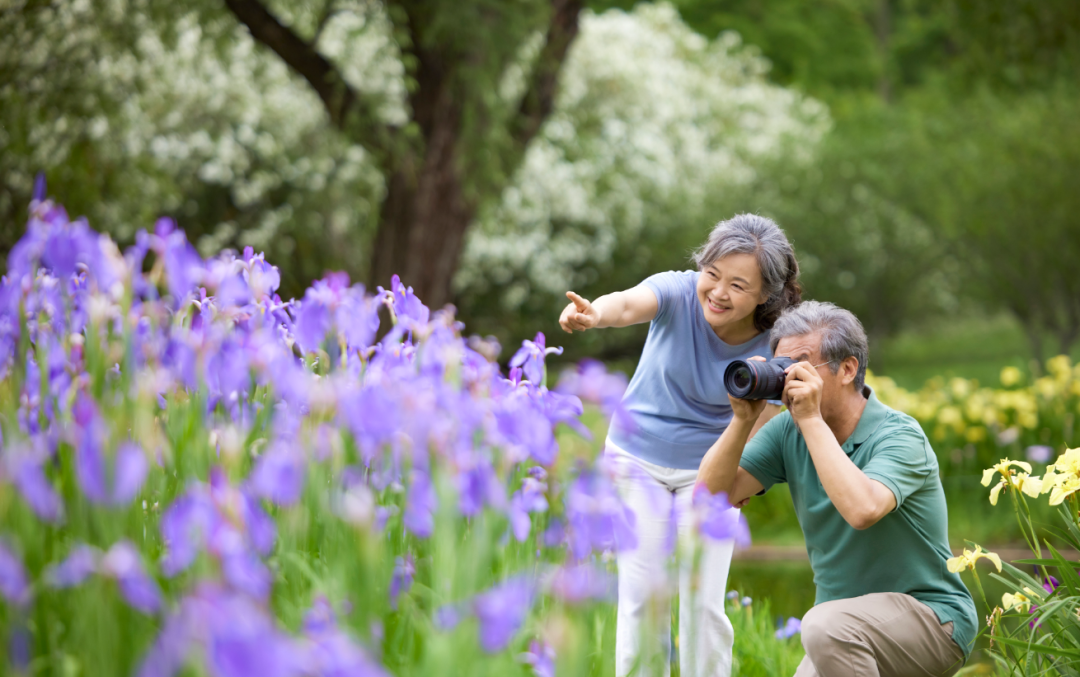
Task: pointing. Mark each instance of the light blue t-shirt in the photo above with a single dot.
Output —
(676, 404)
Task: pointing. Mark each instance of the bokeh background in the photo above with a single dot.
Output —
(921, 154)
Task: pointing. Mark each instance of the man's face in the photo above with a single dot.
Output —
(807, 348)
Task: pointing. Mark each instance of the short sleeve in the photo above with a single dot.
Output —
(667, 286)
(899, 461)
(763, 456)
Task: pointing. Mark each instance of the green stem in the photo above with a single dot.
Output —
(978, 584)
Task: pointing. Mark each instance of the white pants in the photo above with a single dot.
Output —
(661, 500)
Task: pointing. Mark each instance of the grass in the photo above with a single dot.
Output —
(973, 348)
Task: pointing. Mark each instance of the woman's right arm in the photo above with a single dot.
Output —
(618, 309)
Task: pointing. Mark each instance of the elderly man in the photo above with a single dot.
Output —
(865, 485)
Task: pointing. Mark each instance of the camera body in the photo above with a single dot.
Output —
(756, 380)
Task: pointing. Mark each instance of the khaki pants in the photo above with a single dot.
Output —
(886, 634)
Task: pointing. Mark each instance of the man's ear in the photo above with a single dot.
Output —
(848, 369)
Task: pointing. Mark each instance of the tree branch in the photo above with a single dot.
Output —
(345, 105)
(539, 99)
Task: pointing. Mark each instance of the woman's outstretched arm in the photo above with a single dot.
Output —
(618, 309)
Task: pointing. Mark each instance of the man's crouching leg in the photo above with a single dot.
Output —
(884, 634)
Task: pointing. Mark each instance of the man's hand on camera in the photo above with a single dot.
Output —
(802, 391)
(746, 410)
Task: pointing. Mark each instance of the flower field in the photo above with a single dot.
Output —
(972, 426)
(200, 478)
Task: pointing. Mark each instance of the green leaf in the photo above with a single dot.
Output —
(1045, 562)
(1068, 576)
(1038, 648)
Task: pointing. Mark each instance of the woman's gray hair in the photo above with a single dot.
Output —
(842, 335)
(760, 236)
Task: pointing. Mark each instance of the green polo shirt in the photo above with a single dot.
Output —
(906, 550)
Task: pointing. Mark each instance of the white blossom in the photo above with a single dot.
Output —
(649, 113)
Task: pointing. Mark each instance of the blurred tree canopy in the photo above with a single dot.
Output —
(460, 89)
(944, 181)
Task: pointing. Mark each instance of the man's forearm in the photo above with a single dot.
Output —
(853, 494)
(721, 463)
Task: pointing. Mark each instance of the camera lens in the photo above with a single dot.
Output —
(741, 378)
(756, 380)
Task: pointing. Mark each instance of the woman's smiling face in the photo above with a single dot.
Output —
(729, 289)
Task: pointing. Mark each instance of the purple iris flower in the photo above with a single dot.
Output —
(717, 520)
(592, 382)
(183, 265)
(233, 291)
(529, 499)
(14, 585)
(312, 323)
(530, 357)
(123, 563)
(555, 534)
(228, 371)
(792, 627)
(371, 414)
(527, 432)
(420, 505)
(80, 563)
(357, 317)
(567, 409)
(279, 474)
(404, 570)
(169, 651)
(1039, 453)
(541, 656)
(583, 582)
(330, 651)
(407, 307)
(39, 188)
(89, 458)
(19, 642)
(235, 635)
(478, 486)
(1049, 586)
(129, 473)
(447, 617)
(68, 245)
(598, 519)
(28, 473)
(241, 567)
(185, 526)
(261, 528)
(501, 612)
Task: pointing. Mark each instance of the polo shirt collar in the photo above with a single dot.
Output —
(873, 415)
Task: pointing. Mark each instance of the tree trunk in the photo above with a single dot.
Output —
(425, 212)
(428, 206)
(421, 231)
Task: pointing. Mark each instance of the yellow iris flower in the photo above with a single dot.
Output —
(969, 557)
(1062, 477)
(1032, 486)
(1003, 467)
(1018, 601)
(1023, 481)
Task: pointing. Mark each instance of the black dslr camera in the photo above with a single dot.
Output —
(756, 380)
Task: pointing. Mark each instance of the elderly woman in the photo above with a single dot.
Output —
(673, 411)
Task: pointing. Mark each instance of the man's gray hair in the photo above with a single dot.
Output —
(760, 236)
(842, 335)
